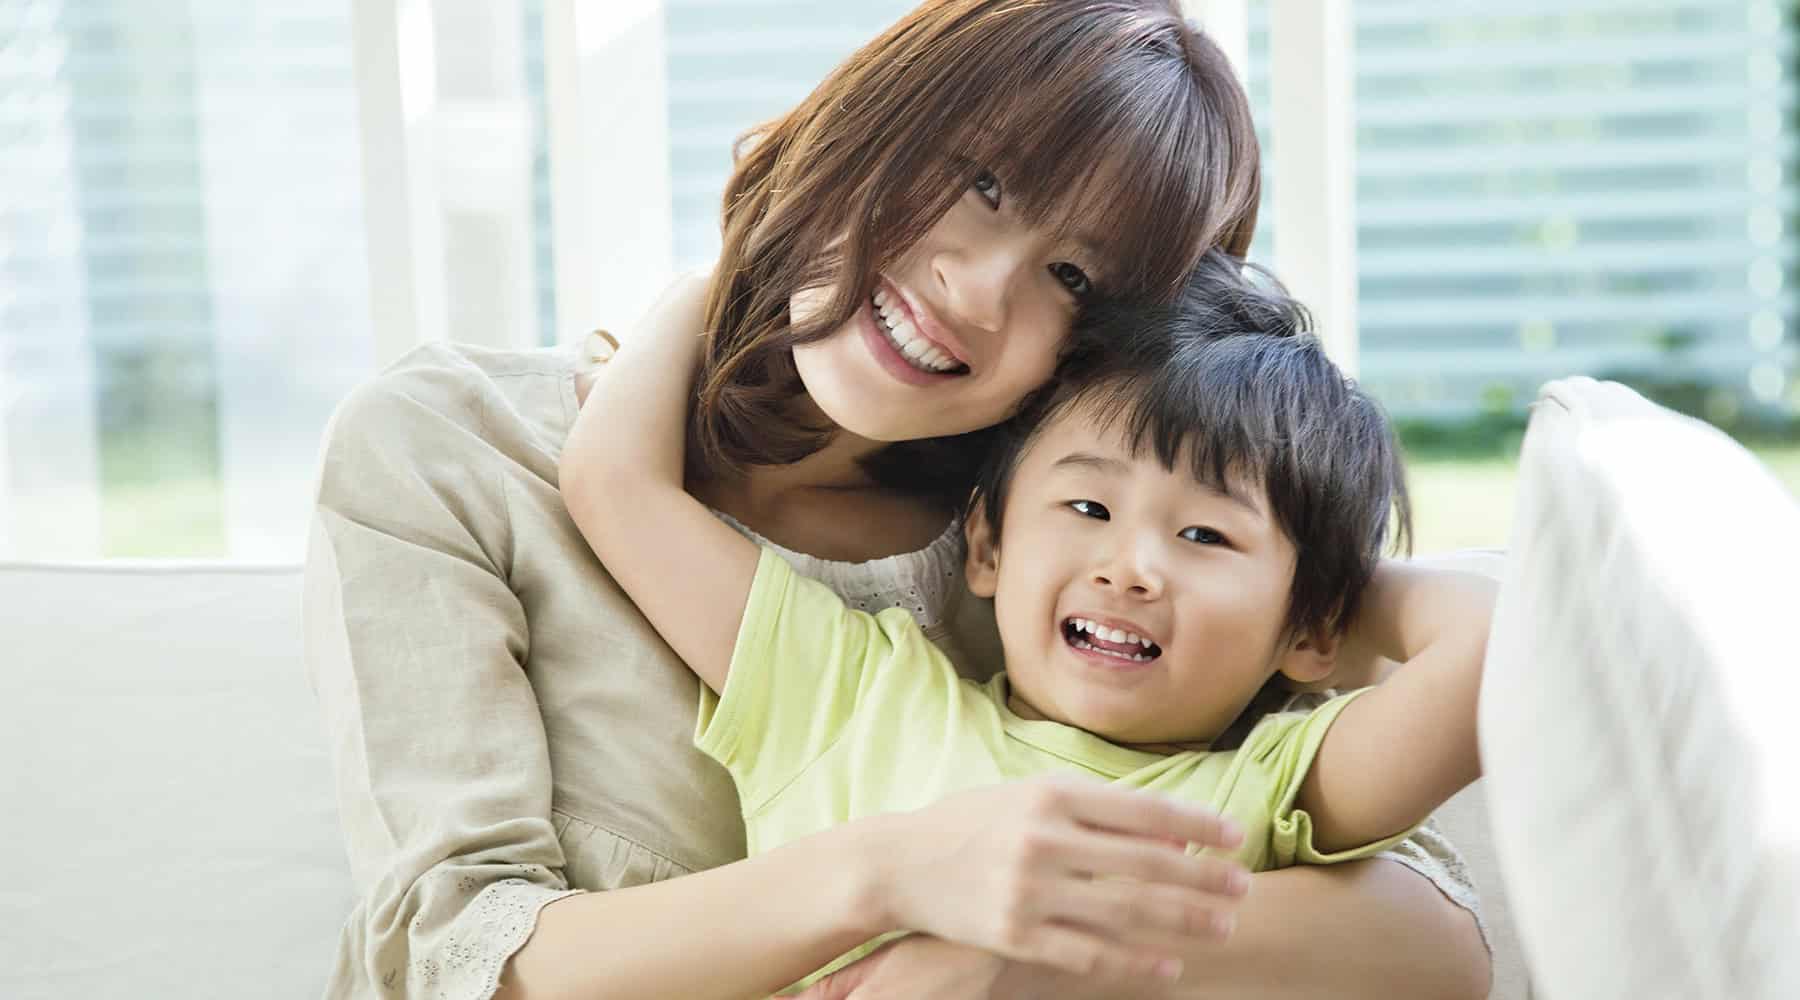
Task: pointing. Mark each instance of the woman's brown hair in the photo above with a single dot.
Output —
(1113, 119)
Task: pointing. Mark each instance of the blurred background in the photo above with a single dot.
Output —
(215, 215)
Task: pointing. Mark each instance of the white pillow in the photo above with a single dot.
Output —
(1638, 715)
(170, 828)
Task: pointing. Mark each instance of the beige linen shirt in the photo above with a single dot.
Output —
(507, 729)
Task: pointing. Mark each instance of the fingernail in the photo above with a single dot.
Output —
(1239, 883)
(1224, 923)
(1231, 831)
(1169, 968)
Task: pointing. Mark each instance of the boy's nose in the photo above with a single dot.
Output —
(1130, 572)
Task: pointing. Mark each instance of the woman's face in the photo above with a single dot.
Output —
(958, 330)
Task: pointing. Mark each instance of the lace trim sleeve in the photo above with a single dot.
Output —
(475, 948)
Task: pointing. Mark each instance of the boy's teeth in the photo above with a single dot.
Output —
(1133, 657)
(881, 299)
(1099, 631)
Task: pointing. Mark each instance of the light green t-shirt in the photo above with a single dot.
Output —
(831, 714)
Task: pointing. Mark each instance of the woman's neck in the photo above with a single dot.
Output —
(838, 466)
(826, 504)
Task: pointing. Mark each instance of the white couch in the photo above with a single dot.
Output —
(169, 807)
(170, 821)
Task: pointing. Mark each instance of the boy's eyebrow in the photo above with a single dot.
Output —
(1089, 460)
(1101, 463)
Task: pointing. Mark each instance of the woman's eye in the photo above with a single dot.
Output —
(1073, 278)
(1205, 536)
(1089, 508)
(988, 187)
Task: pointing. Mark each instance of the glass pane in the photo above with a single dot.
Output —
(1572, 187)
(182, 285)
(733, 65)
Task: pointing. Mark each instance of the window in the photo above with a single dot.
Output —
(182, 282)
(1584, 186)
(197, 255)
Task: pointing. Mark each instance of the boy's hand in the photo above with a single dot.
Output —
(1073, 874)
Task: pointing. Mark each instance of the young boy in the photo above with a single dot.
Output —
(1196, 513)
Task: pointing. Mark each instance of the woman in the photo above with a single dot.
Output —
(511, 737)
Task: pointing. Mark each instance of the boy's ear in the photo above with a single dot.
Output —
(982, 567)
(1310, 657)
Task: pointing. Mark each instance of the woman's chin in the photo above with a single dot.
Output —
(864, 403)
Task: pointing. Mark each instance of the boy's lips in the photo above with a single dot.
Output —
(1112, 639)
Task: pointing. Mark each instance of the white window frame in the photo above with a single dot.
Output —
(433, 153)
(1312, 88)
(1312, 140)
(606, 111)
(613, 226)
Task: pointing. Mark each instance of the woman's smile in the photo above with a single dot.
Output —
(913, 331)
(890, 329)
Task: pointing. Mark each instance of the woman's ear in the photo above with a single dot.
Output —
(982, 567)
(1311, 656)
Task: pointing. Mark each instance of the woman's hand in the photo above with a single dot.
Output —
(921, 966)
(1072, 874)
(911, 967)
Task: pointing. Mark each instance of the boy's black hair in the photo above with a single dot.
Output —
(1229, 380)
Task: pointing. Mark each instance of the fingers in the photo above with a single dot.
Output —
(1084, 953)
(1138, 813)
(1103, 855)
(1150, 915)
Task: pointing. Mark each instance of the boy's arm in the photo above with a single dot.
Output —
(621, 479)
(1401, 750)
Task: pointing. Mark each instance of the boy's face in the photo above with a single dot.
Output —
(1099, 546)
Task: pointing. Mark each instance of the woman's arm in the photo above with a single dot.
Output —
(621, 478)
(1010, 868)
(741, 930)
(1366, 929)
(1372, 928)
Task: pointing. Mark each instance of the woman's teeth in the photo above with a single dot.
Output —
(921, 353)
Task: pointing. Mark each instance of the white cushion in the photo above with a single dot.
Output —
(1638, 712)
(170, 827)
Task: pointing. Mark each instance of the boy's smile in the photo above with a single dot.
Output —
(1113, 641)
(1132, 600)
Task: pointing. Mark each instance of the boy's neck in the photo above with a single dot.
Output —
(1017, 704)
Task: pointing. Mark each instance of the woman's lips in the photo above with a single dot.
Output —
(923, 322)
(889, 357)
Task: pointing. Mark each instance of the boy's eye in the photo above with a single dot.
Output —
(1073, 278)
(1089, 508)
(988, 187)
(1205, 536)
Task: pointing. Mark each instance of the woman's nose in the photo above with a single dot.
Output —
(978, 282)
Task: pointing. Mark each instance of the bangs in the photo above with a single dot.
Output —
(1268, 420)
(1113, 124)
(1180, 421)
(1127, 172)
